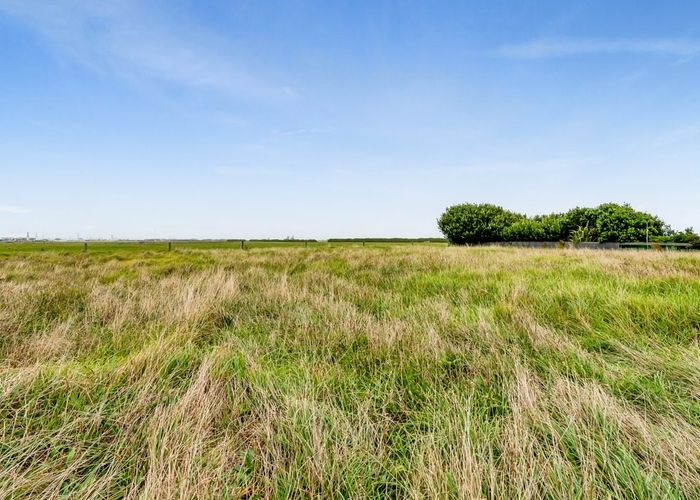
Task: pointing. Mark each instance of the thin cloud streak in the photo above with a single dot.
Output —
(13, 209)
(126, 39)
(545, 49)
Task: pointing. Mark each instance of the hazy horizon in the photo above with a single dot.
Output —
(187, 119)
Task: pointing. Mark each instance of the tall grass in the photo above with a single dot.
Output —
(405, 372)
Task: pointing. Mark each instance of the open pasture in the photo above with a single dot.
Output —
(10, 248)
(406, 371)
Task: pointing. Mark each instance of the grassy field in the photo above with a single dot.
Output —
(12, 248)
(406, 371)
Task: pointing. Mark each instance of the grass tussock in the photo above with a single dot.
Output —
(404, 372)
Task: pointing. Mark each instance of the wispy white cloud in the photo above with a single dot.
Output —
(13, 209)
(140, 41)
(549, 48)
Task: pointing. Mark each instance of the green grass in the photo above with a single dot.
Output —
(11, 248)
(406, 371)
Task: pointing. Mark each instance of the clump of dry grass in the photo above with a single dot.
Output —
(350, 372)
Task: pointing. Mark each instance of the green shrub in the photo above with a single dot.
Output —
(579, 217)
(580, 234)
(609, 222)
(686, 236)
(471, 223)
(552, 227)
(690, 236)
(525, 230)
(623, 224)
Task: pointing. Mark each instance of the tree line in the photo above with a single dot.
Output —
(470, 223)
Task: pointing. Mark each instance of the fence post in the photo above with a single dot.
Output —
(363, 243)
(305, 243)
(85, 247)
(170, 246)
(242, 244)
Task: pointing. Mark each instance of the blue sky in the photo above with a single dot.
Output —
(317, 119)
